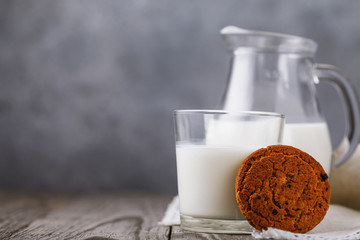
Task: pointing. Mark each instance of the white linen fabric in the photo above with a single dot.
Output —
(339, 223)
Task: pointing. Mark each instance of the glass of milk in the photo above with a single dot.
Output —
(210, 147)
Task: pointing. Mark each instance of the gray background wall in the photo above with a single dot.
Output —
(87, 88)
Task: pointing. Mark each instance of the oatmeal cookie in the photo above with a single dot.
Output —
(282, 187)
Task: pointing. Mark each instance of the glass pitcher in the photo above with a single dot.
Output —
(276, 72)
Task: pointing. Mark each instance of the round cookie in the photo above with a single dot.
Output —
(282, 187)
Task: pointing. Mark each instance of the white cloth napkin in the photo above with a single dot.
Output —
(172, 214)
(339, 223)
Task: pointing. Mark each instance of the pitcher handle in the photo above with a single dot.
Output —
(334, 76)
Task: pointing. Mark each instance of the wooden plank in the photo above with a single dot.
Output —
(110, 216)
(177, 233)
(98, 216)
(17, 211)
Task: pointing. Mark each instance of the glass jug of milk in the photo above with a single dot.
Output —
(277, 73)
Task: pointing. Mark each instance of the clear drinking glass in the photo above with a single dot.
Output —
(210, 147)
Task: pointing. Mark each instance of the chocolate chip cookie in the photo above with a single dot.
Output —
(282, 187)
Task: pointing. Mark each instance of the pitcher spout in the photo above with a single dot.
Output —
(236, 38)
(233, 30)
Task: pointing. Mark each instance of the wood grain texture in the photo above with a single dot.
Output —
(17, 211)
(132, 216)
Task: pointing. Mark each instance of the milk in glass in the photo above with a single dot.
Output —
(206, 180)
(207, 171)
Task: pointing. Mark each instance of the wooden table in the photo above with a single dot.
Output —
(90, 216)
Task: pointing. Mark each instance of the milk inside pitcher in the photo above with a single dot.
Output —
(277, 73)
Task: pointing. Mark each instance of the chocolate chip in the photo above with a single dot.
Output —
(326, 189)
(320, 205)
(274, 212)
(297, 209)
(324, 177)
(258, 196)
(288, 185)
(286, 202)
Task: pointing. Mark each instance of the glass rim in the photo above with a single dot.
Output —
(230, 112)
